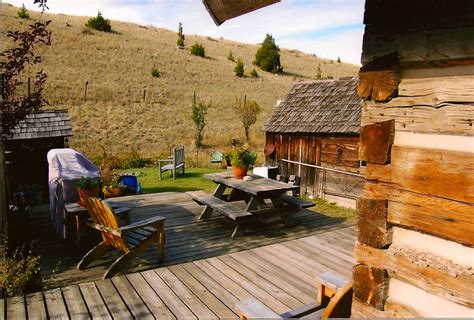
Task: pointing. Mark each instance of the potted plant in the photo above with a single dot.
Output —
(241, 160)
(87, 187)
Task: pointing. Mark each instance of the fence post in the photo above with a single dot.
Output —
(85, 90)
(144, 94)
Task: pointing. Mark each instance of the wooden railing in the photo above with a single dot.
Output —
(326, 181)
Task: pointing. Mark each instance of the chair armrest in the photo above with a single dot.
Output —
(141, 223)
(331, 280)
(101, 227)
(254, 309)
(166, 160)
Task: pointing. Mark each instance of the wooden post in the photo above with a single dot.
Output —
(29, 86)
(85, 90)
(144, 94)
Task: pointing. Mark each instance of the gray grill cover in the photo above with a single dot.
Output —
(66, 167)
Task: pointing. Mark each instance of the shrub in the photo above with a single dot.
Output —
(254, 73)
(180, 41)
(248, 111)
(338, 59)
(230, 56)
(155, 73)
(268, 56)
(133, 159)
(19, 271)
(239, 68)
(99, 23)
(23, 13)
(198, 50)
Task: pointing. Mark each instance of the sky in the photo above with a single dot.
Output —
(329, 29)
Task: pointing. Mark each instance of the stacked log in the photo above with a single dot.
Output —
(415, 227)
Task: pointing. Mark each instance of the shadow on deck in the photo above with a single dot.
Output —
(187, 238)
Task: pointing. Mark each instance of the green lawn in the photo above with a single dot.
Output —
(193, 179)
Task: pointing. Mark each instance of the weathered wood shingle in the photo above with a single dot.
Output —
(43, 124)
(321, 106)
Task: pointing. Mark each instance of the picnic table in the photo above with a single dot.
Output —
(254, 192)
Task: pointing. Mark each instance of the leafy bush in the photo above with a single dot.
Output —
(23, 13)
(254, 73)
(180, 41)
(268, 56)
(239, 68)
(155, 73)
(198, 50)
(248, 111)
(99, 23)
(242, 158)
(19, 271)
(230, 56)
(133, 159)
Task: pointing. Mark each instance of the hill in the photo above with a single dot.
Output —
(117, 67)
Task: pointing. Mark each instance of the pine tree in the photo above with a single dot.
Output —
(23, 13)
(338, 59)
(180, 41)
(239, 68)
(268, 56)
(319, 73)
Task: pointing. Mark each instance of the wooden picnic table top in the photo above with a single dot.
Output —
(259, 186)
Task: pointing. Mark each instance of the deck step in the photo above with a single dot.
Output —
(297, 201)
(225, 208)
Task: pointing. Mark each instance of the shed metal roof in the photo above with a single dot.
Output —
(321, 106)
(43, 124)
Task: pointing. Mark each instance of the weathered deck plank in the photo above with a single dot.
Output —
(75, 303)
(280, 275)
(35, 305)
(112, 299)
(213, 303)
(150, 298)
(131, 299)
(95, 304)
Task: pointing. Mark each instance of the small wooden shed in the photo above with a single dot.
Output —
(27, 146)
(318, 124)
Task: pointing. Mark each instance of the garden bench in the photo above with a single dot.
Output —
(175, 162)
(225, 208)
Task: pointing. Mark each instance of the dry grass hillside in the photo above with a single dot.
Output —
(118, 67)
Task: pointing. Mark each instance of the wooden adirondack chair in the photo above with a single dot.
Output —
(334, 300)
(132, 238)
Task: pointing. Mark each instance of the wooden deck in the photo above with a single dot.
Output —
(280, 275)
(187, 238)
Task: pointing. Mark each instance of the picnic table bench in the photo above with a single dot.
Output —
(254, 192)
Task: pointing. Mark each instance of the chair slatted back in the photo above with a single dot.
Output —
(103, 214)
(179, 156)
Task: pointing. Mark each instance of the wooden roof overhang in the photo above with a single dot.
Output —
(223, 10)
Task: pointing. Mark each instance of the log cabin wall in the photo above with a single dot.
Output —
(415, 226)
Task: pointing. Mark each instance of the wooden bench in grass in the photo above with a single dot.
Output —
(175, 162)
(225, 208)
(334, 300)
(132, 238)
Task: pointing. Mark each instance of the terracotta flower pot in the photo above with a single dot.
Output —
(239, 172)
(84, 194)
